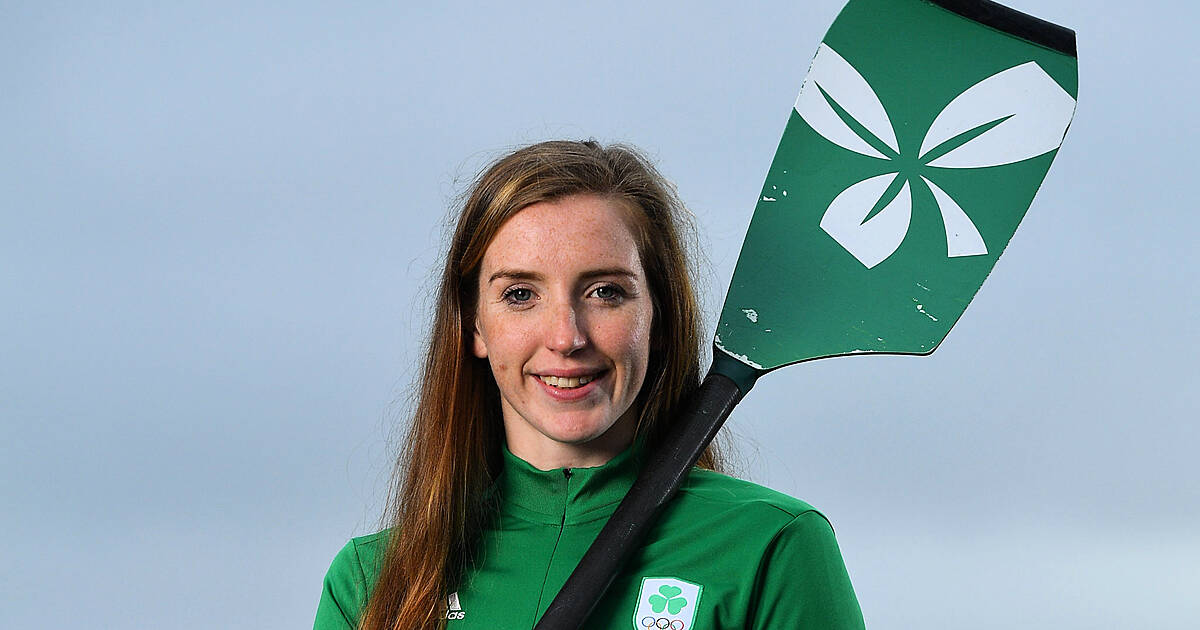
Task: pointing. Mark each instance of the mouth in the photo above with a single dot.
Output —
(567, 382)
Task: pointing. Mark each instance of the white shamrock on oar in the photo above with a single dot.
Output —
(1013, 115)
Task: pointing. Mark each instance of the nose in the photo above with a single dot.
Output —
(564, 333)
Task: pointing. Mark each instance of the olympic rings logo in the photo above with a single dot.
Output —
(663, 623)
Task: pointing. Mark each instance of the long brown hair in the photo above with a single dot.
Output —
(451, 457)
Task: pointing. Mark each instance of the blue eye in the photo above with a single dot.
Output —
(518, 295)
(608, 292)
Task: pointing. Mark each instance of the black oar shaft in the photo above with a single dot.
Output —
(664, 472)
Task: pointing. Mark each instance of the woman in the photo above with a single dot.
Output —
(566, 335)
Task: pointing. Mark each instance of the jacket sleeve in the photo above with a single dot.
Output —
(344, 592)
(802, 582)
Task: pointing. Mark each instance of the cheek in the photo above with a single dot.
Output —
(631, 339)
(506, 345)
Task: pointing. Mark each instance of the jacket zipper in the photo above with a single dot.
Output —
(562, 526)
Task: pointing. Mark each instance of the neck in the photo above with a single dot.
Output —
(547, 454)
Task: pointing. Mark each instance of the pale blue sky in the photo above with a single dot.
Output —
(217, 222)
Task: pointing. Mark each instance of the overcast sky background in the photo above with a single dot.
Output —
(218, 220)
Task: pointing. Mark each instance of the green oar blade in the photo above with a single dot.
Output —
(917, 143)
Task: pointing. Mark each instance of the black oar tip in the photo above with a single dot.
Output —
(1013, 22)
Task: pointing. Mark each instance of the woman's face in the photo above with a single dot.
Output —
(564, 320)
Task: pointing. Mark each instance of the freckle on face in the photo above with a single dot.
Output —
(563, 326)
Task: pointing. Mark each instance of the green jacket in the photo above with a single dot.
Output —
(726, 554)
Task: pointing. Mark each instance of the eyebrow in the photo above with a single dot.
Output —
(520, 274)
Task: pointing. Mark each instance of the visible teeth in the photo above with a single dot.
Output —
(565, 382)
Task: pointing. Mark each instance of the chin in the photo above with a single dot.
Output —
(578, 431)
(575, 437)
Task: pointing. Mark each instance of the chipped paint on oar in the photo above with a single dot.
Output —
(913, 151)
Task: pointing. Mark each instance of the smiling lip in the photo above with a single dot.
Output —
(570, 385)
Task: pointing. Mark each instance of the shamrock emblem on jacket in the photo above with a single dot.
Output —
(1013, 115)
(668, 598)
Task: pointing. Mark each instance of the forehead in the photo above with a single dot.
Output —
(583, 231)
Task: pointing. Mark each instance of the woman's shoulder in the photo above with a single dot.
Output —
(369, 548)
(723, 493)
(362, 556)
(349, 580)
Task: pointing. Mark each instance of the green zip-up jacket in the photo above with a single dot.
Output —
(726, 554)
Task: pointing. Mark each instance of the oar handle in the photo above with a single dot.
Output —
(665, 471)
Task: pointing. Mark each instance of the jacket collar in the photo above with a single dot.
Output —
(565, 496)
